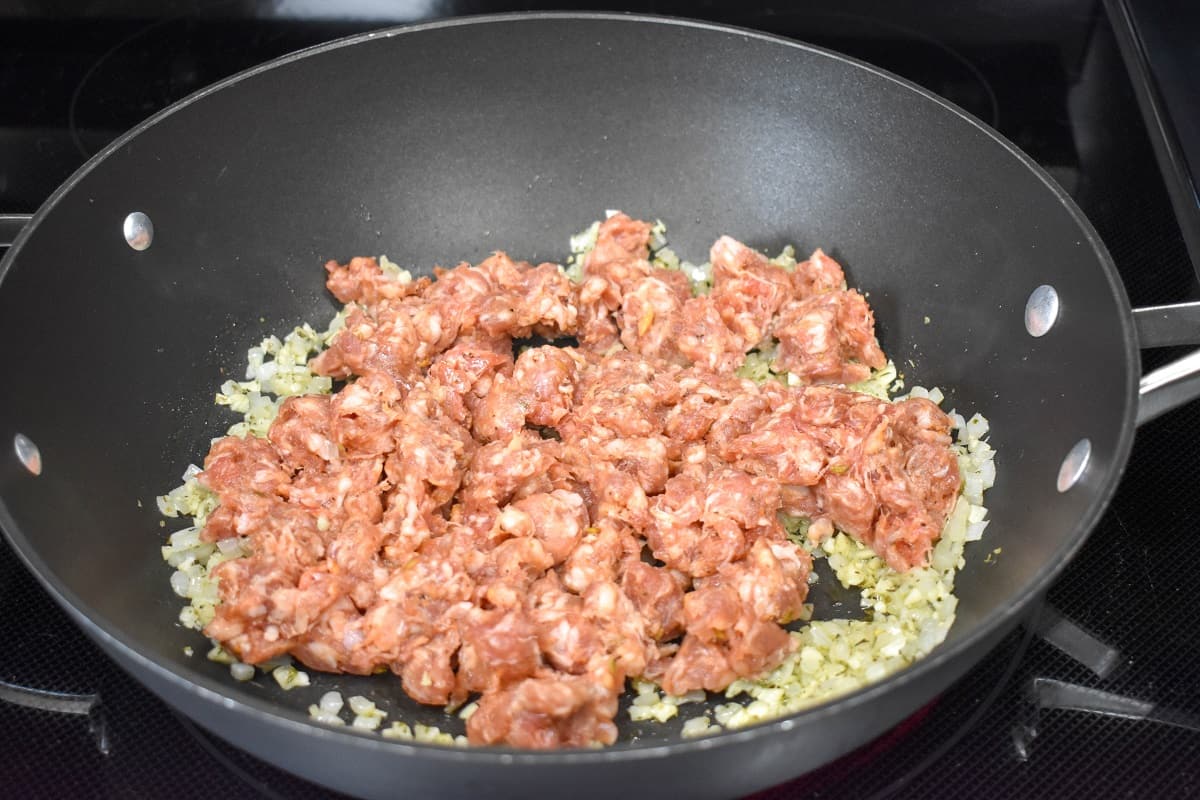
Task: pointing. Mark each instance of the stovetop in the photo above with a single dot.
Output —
(1098, 695)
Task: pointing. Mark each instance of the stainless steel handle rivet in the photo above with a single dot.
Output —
(1074, 464)
(1041, 310)
(138, 230)
(28, 453)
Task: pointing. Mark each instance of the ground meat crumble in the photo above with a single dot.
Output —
(533, 530)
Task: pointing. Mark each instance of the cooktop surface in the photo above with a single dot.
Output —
(1097, 695)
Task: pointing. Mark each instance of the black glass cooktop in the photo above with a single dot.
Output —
(1097, 696)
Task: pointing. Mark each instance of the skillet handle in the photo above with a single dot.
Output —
(10, 226)
(1174, 384)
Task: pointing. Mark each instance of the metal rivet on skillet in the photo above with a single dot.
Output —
(1074, 464)
(1041, 310)
(28, 453)
(138, 230)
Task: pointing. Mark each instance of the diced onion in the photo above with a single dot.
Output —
(367, 722)
(331, 702)
(977, 427)
(987, 473)
(361, 705)
(975, 530)
(241, 672)
(698, 726)
(289, 677)
(180, 583)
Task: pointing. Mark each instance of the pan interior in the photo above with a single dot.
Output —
(452, 142)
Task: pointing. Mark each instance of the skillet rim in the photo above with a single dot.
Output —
(212, 691)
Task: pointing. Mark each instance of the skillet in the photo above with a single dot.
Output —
(445, 141)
